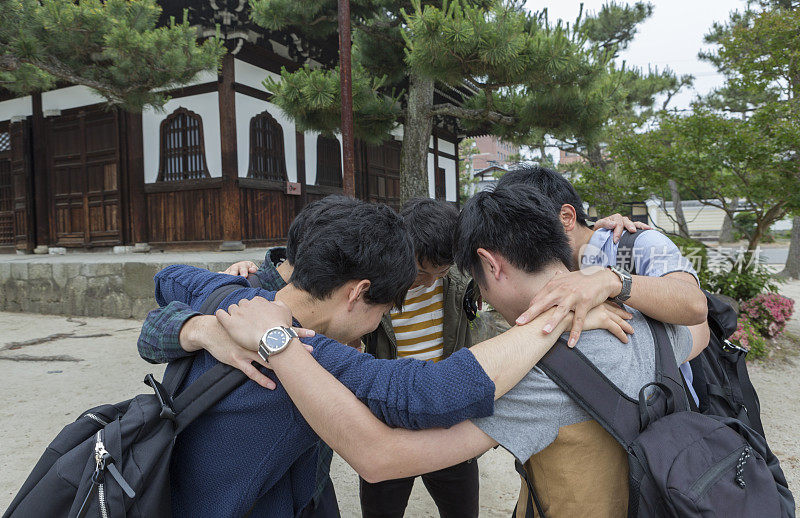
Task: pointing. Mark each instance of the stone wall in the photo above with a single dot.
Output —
(95, 289)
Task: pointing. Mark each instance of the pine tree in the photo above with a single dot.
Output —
(519, 74)
(114, 47)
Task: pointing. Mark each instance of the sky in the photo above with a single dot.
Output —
(671, 37)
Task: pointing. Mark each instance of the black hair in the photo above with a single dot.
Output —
(306, 218)
(550, 183)
(355, 240)
(431, 224)
(516, 221)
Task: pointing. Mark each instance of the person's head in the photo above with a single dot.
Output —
(358, 259)
(511, 241)
(307, 217)
(566, 201)
(431, 224)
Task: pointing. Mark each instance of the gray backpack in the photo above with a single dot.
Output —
(681, 463)
(114, 460)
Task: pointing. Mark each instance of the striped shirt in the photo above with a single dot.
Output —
(418, 326)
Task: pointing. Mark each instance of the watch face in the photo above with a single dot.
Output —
(275, 339)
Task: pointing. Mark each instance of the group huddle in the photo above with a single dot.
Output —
(601, 422)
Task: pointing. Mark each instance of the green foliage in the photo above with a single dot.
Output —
(466, 174)
(742, 283)
(748, 337)
(711, 155)
(112, 46)
(697, 253)
(312, 97)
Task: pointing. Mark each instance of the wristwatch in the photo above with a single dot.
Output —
(626, 280)
(274, 341)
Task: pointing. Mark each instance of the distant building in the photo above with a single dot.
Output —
(566, 157)
(493, 152)
(487, 177)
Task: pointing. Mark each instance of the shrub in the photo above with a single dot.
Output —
(748, 337)
(742, 283)
(697, 253)
(768, 312)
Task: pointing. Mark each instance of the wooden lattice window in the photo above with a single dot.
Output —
(183, 154)
(267, 158)
(329, 163)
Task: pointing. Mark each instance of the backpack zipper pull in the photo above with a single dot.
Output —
(740, 467)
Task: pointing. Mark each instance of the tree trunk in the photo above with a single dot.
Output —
(683, 229)
(792, 268)
(726, 234)
(416, 139)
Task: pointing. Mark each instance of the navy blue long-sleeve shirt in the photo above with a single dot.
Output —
(254, 452)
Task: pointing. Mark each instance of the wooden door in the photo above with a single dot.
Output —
(84, 178)
(21, 185)
(6, 189)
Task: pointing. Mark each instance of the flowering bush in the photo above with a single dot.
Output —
(768, 312)
(748, 336)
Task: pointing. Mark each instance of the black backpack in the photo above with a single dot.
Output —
(721, 381)
(681, 463)
(114, 460)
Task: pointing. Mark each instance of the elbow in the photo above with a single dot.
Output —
(698, 310)
(377, 464)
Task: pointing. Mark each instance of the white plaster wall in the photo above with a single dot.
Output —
(207, 107)
(202, 77)
(20, 106)
(447, 147)
(431, 177)
(246, 108)
(70, 97)
(449, 167)
(251, 75)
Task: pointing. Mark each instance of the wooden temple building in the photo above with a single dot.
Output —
(221, 166)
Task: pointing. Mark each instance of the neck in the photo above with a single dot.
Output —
(528, 285)
(311, 313)
(579, 238)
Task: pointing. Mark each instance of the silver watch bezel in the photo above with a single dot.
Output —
(627, 281)
(265, 351)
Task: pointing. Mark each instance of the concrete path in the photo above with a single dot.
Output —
(54, 368)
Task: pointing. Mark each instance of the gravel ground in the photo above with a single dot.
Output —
(94, 360)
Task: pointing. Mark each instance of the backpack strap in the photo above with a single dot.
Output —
(617, 413)
(212, 385)
(625, 255)
(534, 498)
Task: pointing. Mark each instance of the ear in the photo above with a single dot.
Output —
(568, 217)
(357, 292)
(490, 262)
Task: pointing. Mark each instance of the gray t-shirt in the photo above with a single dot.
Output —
(527, 419)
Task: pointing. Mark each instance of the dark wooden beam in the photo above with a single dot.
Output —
(186, 91)
(231, 222)
(137, 204)
(252, 92)
(40, 169)
(300, 151)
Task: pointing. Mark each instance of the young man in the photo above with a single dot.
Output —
(160, 339)
(252, 452)
(666, 286)
(432, 324)
(511, 241)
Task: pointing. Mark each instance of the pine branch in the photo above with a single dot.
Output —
(464, 113)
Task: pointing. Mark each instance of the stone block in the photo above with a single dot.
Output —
(40, 271)
(19, 271)
(137, 280)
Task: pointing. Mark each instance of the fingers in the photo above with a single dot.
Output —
(223, 317)
(613, 308)
(577, 324)
(308, 348)
(629, 225)
(618, 228)
(303, 332)
(244, 364)
(534, 311)
(561, 312)
(642, 226)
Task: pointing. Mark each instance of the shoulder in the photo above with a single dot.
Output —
(654, 238)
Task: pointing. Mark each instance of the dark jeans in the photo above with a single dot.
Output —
(325, 507)
(454, 489)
